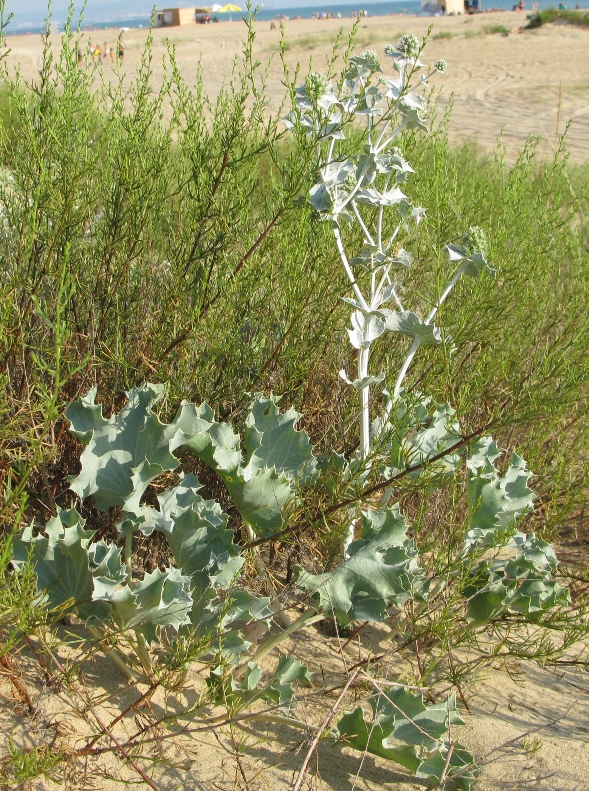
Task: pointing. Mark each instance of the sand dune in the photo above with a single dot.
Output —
(502, 84)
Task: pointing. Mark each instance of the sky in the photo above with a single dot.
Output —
(37, 9)
(34, 11)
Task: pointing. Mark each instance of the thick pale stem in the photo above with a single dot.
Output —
(143, 653)
(390, 139)
(380, 216)
(365, 230)
(417, 343)
(392, 239)
(115, 656)
(309, 617)
(348, 268)
(363, 358)
(445, 294)
(280, 617)
(128, 557)
(404, 368)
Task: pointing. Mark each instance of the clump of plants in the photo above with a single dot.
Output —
(548, 15)
(491, 578)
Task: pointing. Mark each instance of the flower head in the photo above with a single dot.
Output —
(475, 241)
(408, 45)
(372, 58)
(316, 85)
(440, 65)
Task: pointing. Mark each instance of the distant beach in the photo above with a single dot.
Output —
(266, 14)
(505, 79)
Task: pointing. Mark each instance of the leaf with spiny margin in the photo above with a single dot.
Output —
(401, 715)
(278, 457)
(272, 441)
(495, 502)
(162, 598)
(380, 571)
(60, 562)
(229, 692)
(408, 323)
(242, 624)
(412, 437)
(280, 689)
(107, 569)
(195, 529)
(202, 546)
(367, 326)
(473, 264)
(355, 732)
(124, 453)
(523, 583)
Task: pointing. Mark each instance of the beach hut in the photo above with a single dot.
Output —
(171, 17)
(438, 7)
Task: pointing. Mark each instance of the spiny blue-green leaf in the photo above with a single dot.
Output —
(85, 417)
(372, 197)
(380, 572)
(237, 694)
(61, 564)
(522, 583)
(361, 384)
(242, 624)
(195, 529)
(278, 458)
(355, 732)
(495, 502)
(162, 598)
(410, 436)
(215, 443)
(408, 323)
(106, 567)
(366, 328)
(280, 689)
(272, 441)
(124, 453)
(405, 717)
(400, 715)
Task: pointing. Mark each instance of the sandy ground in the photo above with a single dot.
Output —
(516, 84)
(528, 730)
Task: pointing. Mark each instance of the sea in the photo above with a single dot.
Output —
(267, 13)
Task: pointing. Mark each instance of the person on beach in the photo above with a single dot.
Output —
(121, 51)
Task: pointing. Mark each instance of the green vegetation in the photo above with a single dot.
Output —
(186, 252)
(573, 17)
(495, 29)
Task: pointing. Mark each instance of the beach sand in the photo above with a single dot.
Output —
(528, 728)
(526, 82)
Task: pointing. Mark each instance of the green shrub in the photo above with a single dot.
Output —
(549, 15)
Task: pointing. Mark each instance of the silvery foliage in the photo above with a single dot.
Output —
(508, 572)
(357, 184)
(268, 467)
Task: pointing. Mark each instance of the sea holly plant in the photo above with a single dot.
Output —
(363, 182)
(195, 607)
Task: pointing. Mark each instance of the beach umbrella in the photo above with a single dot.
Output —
(229, 9)
(215, 8)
